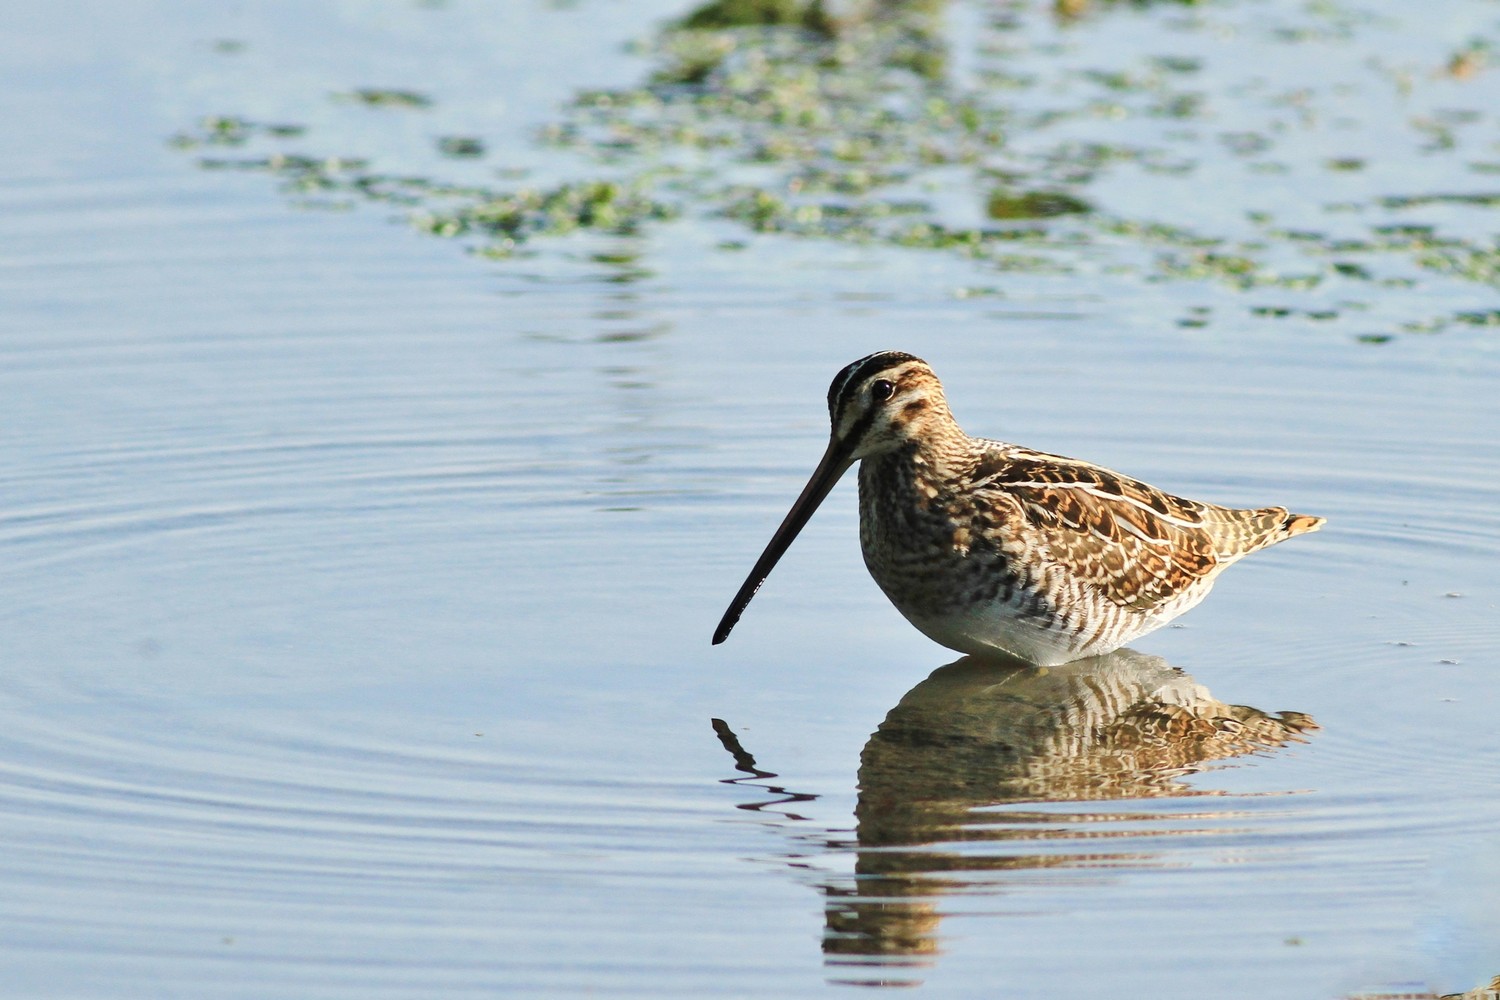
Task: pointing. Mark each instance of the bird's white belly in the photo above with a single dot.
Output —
(995, 628)
(998, 627)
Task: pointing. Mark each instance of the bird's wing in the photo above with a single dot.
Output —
(1138, 546)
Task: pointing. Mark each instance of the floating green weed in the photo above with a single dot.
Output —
(461, 147)
(844, 122)
(378, 98)
(1470, 263)
(719, 14)
(513, 217)
(1033, 204)
(1487, 317)
(229, 130)
(506, 217)
(1481, 199)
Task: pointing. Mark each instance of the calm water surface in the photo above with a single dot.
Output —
(358, 590)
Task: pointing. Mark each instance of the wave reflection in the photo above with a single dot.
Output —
(945, 780)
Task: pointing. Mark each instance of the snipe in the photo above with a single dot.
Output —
(988, 547)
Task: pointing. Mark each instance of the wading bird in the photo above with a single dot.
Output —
(990, 548)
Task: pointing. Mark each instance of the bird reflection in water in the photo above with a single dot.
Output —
(942, 775)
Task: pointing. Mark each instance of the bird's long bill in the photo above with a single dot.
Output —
(836, 461)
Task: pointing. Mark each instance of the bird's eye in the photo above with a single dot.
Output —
(881, 390)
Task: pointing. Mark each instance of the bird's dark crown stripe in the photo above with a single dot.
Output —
(855, 374)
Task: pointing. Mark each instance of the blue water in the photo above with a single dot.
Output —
(358, 589)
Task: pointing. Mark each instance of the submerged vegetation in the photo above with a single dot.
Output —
(506, 218)
(1044, 152)
(718, 14)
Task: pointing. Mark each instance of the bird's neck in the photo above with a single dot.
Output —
(923, 466)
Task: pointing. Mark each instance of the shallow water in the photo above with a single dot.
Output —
(359, 589)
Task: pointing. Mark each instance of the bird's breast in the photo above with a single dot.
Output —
(929, 553)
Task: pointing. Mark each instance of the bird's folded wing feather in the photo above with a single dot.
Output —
(1138, 546)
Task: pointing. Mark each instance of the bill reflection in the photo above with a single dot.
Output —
(944, 781)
